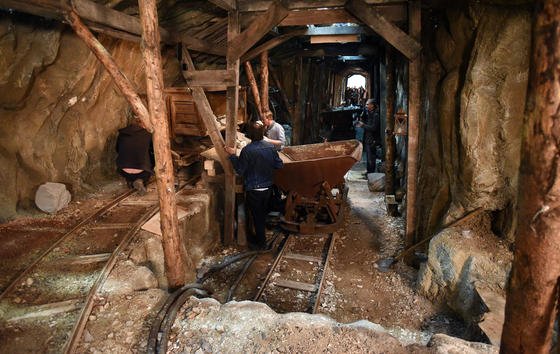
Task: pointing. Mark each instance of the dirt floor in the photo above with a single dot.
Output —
(354, 289)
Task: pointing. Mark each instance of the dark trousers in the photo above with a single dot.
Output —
(370, 157)
(144, 176)
(257, 203)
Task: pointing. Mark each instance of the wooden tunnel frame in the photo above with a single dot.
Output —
(85, 16)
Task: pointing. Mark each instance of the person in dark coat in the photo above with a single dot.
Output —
(135, 160)
(371, 123)
(256, 164)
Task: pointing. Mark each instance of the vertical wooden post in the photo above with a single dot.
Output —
(532, 296)
(122, 82)
(297, 115)
(231, 131)
(281, 89)
(414, 112)
(264, 82)
(165, 179)
(254, 87)
(390, 143)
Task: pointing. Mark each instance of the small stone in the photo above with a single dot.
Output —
(92, 317)
(111, 335)
(88, 337)
(29, 282)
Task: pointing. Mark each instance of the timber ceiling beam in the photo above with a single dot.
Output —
(262, 5)
(228, 5)
(241, 43)
(333, 51)
(396, 13)
(369, 15)
(317, 17)
(105, 20)
(212, 78)
(274, 42)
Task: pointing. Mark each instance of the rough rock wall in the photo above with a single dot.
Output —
(479, 57)
(59, 110)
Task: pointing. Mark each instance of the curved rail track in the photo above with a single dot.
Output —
(46, 307)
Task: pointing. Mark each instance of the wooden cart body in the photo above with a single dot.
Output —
(313, 178)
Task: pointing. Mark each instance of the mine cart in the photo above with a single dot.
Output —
(313, 178)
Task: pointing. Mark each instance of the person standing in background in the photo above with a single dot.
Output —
(370, 121)
(274, 132)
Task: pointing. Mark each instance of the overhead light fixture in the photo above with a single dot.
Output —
(339, 38)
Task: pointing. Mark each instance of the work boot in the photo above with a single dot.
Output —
(139, 186)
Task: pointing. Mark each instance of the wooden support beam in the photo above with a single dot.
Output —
(532, 296)
(100, 14)
(344, 38)
(274, 42)
(206, 78)
(414, 116)
(232, 102)
(53, 9)
(264, 83)
(241, 43)
(390, 142)
(297, 115)
(396, 13)
(121, 81)
(106, 20)
(317, 17)
(175, 261)
(208, 117)
(228, 5)
(262, 5)
(254, 87)
(278, 84)
(407, 45)
(332, 51)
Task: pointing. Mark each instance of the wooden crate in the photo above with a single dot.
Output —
(184, 117)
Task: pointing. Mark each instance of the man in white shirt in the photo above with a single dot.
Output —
(274, 133)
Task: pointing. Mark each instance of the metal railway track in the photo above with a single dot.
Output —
(48, 304)
(295, 280)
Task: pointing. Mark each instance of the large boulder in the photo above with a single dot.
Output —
(460, 259)
(127, 277)
(52, 197)
(204, 325)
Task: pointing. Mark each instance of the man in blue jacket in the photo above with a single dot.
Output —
(371, 123)
(256, 164)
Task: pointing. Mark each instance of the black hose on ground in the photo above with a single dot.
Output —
(154, 339)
